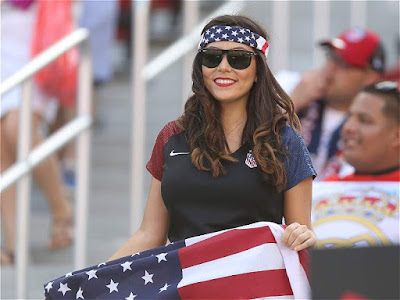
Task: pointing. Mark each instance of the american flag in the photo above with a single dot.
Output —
(247, 262)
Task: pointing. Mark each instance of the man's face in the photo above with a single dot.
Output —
(345, 81)
(368, 135)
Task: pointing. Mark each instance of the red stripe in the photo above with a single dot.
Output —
(224, 244)
(264, 47)
(304, 257)
(244, 286)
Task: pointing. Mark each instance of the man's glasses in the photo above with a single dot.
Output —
(237, 59)
(385, 87)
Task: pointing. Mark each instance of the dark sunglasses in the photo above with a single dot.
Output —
(237, 59)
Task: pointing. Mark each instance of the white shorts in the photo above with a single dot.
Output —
(16, 34)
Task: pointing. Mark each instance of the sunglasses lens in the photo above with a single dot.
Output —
(211, 58)
(239, 59)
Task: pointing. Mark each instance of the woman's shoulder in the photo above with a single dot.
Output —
(170, 129)
(289, 134)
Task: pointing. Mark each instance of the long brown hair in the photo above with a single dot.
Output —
(269, 109)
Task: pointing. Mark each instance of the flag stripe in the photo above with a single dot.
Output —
(263, 284)
(304, 258)
(256, 259)
(225, 244)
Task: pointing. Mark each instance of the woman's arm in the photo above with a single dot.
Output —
(297, 212)
(154, 228)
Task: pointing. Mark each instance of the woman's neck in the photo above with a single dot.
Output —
(232, 114)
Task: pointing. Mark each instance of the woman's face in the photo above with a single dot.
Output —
(225, 83)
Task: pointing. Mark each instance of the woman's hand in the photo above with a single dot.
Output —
(298, 237)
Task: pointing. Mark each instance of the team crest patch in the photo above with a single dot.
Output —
(250, 160)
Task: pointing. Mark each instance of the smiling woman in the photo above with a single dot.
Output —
(235, 156)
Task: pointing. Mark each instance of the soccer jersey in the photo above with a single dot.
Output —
(199, 203)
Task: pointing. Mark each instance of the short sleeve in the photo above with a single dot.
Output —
(156, 162)
(298, 163)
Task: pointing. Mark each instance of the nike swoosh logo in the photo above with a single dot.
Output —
(173, 153)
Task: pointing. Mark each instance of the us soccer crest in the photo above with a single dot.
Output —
(250, 160)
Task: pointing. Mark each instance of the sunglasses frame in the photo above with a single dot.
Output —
(226, 52)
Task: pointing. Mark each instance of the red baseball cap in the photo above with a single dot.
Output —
(359, 48)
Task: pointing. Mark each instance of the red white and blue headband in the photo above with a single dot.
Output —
(234, 34)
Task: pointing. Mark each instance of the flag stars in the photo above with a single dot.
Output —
(162, 257)
(101, 264)
(138, 253)
(219, 30)
(91, 274)
(164, 288)
(217, 39)
(112, 286)
(247, 38)
(234, 33)
(126, 266)
(147, 277)
(225, 36)
(212, 35)
(68, 274)
(242, 31)
(251, 45)
(240, 40)
(49, 286)
(64, 288)
(79, 294)
(131, 296)
(253, 36)
(207, 32)
(228, 27)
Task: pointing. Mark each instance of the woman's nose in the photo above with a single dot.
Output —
(224, 65)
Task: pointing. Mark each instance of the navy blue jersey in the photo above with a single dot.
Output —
(199, 203)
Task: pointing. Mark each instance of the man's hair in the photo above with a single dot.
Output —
(388, 91)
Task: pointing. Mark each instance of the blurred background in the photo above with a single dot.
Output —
(295, 27)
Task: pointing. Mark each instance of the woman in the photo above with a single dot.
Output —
(234, 157)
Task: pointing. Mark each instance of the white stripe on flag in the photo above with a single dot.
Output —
(296, 274)
(239, 263)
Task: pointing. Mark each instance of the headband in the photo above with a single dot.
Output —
(234, 34)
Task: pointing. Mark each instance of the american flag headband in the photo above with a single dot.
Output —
(234, 34)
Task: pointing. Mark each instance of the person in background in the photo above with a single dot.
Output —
(17, 23)
(371, 135)
(322, 97)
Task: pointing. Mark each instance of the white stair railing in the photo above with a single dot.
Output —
(27, 160)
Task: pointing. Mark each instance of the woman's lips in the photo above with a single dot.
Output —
(224, 82)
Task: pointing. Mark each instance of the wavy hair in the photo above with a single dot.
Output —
(269, 109)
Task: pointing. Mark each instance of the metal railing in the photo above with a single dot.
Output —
(26, 160)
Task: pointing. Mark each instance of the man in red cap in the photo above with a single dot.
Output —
(322, 97)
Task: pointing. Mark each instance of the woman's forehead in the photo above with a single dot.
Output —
(226, 45)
